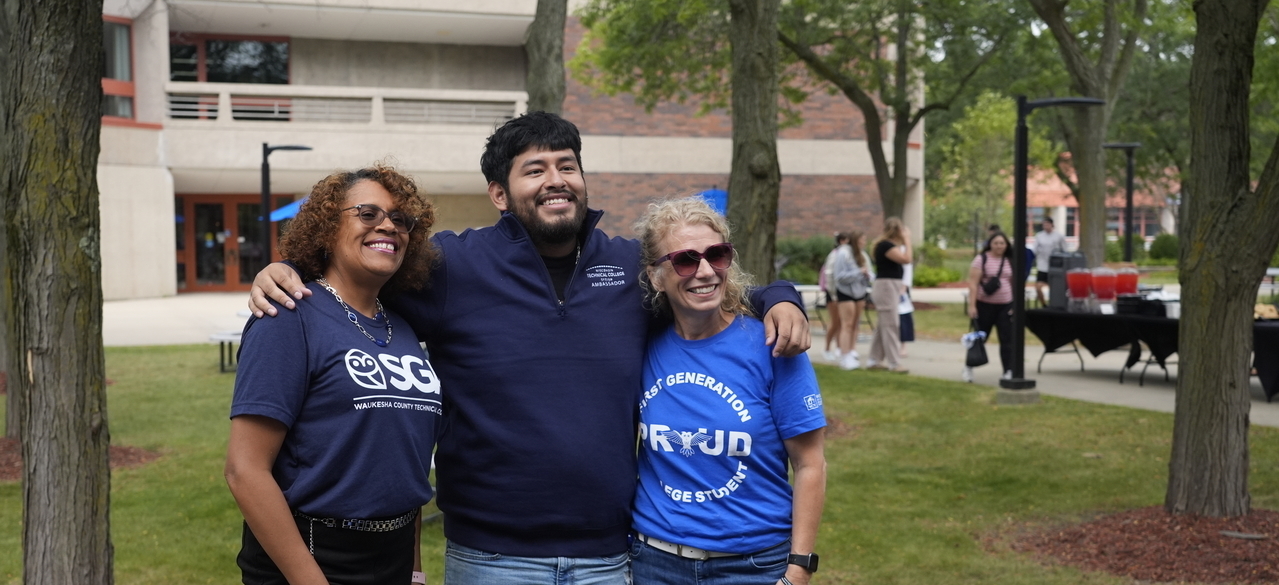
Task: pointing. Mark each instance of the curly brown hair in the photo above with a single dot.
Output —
(312, 233)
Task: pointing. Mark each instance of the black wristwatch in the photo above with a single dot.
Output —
(808, 561)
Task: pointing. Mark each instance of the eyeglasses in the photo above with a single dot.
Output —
(686, 262)
(372, 216)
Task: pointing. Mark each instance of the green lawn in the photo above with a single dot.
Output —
(919, 470)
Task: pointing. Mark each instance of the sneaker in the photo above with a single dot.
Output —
(877, 367)
(832, 355)
(899, 370)
(1008, 374)
(967, 374)
(850, 361)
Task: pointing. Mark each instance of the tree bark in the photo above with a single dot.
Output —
(1228, 236)
(50, 107)
(545, 81)
(755, 181)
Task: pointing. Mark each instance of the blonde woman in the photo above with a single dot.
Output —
(892, 253)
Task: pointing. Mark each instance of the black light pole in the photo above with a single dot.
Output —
(1020, 161)
(265, 218)
(1127, 147)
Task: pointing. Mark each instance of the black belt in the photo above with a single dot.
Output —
(363, 525)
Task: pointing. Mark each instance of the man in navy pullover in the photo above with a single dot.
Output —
(536, 329)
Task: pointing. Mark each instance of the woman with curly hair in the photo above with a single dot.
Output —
(331, 440)
(720, 421)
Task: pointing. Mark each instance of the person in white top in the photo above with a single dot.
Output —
(1047, 241)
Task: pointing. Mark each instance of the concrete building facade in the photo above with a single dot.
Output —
(194, 88)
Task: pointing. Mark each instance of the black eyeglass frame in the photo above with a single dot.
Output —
(405, 221)
(697, 257)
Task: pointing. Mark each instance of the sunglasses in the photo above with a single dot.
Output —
(372, 216)
(686, 262)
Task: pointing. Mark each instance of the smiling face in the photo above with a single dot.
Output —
(547, 194)
(695, 300)
(367, 254)
(998, 245)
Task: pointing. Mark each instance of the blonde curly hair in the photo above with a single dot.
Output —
(662, 218)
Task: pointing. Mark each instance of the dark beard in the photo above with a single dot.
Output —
(544, 233)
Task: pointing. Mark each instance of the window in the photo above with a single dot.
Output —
(117, 78)
(1072, 216)
(228, 59)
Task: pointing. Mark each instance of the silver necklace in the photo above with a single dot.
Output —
(350, 315)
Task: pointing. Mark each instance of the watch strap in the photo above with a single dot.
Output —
(808, 561)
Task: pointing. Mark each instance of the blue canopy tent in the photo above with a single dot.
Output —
(287, 211)
(717, 198)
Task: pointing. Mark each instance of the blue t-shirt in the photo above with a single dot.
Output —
(361, 418)
(713, 417)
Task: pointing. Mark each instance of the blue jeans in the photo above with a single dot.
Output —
(468, 566)
(650, 566)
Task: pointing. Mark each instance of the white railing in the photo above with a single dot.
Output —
(228, 103)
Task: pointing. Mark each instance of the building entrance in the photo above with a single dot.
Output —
(219, 241)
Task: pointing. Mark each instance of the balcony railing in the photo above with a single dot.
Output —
(228, 103)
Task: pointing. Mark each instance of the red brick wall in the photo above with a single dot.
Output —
(826, 117)
(810, 204)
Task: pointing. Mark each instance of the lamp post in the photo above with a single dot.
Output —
(1020, 161)
(265, 217)
(1127, 147)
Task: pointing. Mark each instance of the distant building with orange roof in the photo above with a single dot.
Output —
(1153, 205)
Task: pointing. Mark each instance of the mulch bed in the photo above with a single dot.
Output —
(122, 457)
(1150, 545)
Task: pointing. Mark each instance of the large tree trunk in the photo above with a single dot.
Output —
(50, 107)
(1228, 235)
(545, 82)
(756, 179)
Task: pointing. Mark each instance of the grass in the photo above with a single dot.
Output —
(919, 471)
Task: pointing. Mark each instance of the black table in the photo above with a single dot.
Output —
(1101, 333)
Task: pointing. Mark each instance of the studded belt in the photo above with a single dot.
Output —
(688, 552)
(363, 525)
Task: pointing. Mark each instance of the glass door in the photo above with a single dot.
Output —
(219, 244)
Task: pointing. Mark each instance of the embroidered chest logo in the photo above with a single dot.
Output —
(605, 275)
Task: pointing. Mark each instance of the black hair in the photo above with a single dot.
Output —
(999, 234)
(994, 227)
(1049, 220)
(533, 129)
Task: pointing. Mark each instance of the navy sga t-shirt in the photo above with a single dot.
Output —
(361, 418)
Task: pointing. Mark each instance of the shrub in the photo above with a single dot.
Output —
(930, 276)
(1115, 249)
(1165, 247)
(803, 257)
(929, 254)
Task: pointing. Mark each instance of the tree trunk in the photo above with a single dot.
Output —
(1098, 71)
(1089, 159)
(756, 178)
(545, 48)
(50, 106)
(1227, 236)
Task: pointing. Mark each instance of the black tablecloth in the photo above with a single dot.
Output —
(1101, 333)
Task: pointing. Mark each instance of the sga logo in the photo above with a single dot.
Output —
(407, 372)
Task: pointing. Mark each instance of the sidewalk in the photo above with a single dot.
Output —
(1099, 382)
(193, 317)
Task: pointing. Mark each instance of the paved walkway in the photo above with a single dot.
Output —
(193, 317)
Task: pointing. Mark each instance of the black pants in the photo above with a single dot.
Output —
(1001, 317)
(347, 557)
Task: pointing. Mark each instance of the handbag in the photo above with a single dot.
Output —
(991, 285)
(976, 350)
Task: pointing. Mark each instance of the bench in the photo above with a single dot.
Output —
(226, 349)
